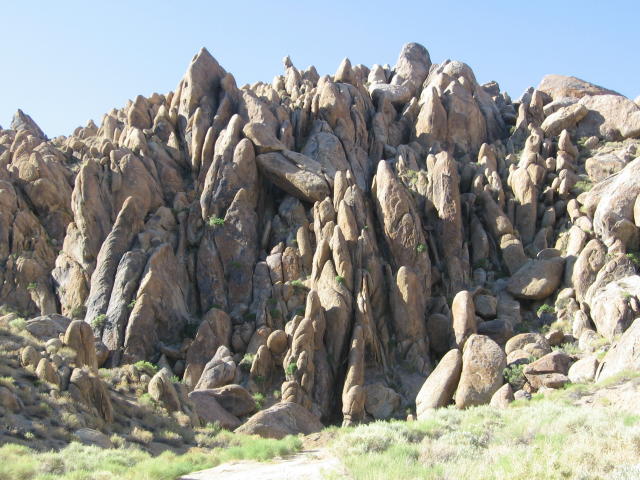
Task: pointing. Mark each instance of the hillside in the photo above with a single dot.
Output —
(321, 250)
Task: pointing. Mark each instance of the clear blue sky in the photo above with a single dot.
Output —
(69, 61)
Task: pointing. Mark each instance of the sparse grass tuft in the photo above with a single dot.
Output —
(568, 348)
(421, 248)
(339, 280)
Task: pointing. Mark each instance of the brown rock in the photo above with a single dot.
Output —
(503, 397)
(537, 279)
(162, 390)
(235, 399)
(85, 386)
(482, 364)
(79, 337)
(437, 391)
(281, 420)
(464, 317)
(210, 411)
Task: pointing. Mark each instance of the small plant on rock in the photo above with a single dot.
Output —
(146, 367)
(259, 399)
(132, 304)
(99, 321)
(421, 248)
(32, 286)
(634, 257)
(545, 308)
(247, 361)
(339, 280)
(292, 368)
(215, 221)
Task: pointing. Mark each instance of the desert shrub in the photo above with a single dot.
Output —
(259, 399)
(545, 308)
(146, 367)
(98, 322)
(18, 324)
(547, 439)
(514, 375)
(140, 435)
(247, 361)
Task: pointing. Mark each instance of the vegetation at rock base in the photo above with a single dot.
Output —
(81, 462)
(546, 438)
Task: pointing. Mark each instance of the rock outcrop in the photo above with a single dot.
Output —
(337, 248)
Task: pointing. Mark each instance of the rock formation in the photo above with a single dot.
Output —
(337, 243)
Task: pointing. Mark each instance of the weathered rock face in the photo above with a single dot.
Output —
(560, 86)
(624, 354)
(329, 237)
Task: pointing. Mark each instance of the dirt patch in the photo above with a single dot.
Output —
(308, 464)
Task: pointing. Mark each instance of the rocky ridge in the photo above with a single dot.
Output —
(347, 246)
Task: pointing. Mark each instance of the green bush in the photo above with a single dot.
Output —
(514, 375)
(259, 399)
(132, 304)
(339, 280)
(215, 221)
(291, 369)
(247, 361)
(32, 286)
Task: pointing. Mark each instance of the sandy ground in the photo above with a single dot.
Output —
(308, 464)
